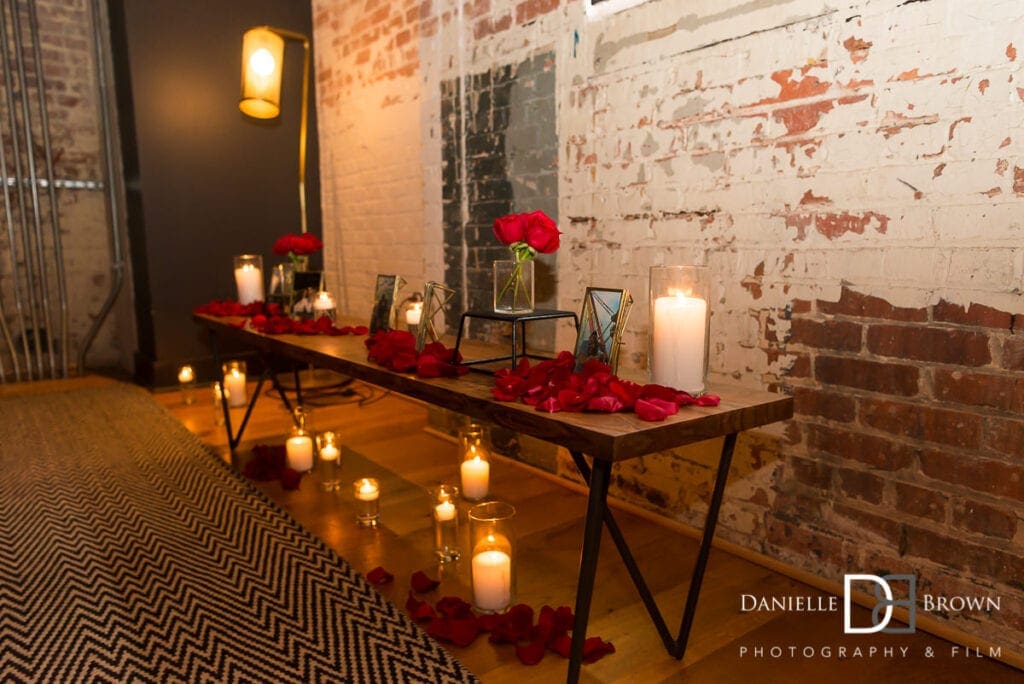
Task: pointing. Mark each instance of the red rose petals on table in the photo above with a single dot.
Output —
(552, 386)
(229, 308)
(396, 350)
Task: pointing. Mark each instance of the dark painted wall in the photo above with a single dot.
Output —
(204, 182)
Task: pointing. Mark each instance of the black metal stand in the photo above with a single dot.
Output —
(598, 516)
(518, 322)
(235, 439)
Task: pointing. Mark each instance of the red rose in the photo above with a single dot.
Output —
(302, 244)
(283, 245)
(541, 232)
(511, 228)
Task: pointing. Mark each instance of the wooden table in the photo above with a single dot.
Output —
(606, 438)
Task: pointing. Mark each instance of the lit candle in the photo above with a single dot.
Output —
(186, 375)
(492, 576)
(444, 511)
(368, 490)
(249, 280)
(323, 303)
(329, 453)
(677, 350)
(234, 383)
(300, 452)
(413, 314)
(476, 473)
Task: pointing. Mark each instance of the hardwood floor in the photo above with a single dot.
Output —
(384, 437)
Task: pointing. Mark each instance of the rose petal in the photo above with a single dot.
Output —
(290, 479)
(605, 404)
(421, 583)
(595, 648)
(531, 653)
(454, 607)
(419, 610)
(459, 632)
(708, 400)
(646, 410)
(379, 576)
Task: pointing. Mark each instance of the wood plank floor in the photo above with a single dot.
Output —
(385, 438)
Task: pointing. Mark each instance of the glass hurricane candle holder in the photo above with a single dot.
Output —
(329, 449)
(444, 499)
(234, 383)
(187, 384)
(475, 470)
(249, 278)
(367, 494)
(492, 570)
(680, 323)
(324, 305)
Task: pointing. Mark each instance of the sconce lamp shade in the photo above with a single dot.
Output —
(262, 57)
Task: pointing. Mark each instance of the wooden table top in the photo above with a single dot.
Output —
(615, 436)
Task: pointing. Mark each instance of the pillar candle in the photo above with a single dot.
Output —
(678, 346)
(492, 580)
(300, 452)
(186, 374)
(476, 474)
(249, 281)
(234, 383)
(412, 316)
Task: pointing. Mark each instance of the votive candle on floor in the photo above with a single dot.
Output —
(492, 567)
(476, 474)
(299, 450)
(330, 460)
(446, 523)
(367, 494)
(234, 383)
(187, 384)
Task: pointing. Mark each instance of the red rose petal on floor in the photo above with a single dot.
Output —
(459, 632)
(421, 583)
(290, 479)
(531, 653)
(487, 622)
(379, 576)
(561, 645)
(595, 648)
(454, 607)
(419, 610)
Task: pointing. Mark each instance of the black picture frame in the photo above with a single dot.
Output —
(305, 286)
(385, 294)
(602, 320)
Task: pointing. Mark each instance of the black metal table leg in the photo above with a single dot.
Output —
(596, 506)
(676, 647)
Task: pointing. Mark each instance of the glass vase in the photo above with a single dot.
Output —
(445, 503)
(513, 286)
(680, 323)
(492, 570)
(475, 466)
(328, 447)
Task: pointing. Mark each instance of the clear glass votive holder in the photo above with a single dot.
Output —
(367, 494)
(680, 325)
(249, 278)
(492, 570)
(475, 466)
(187, 384)
(234, 383)
(218, 405)
(445, 513)
(324, 305)
(328, 448)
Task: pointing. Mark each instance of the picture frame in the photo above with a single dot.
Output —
(306, 284)
(602, 320)
(385, 295)
(436, 297)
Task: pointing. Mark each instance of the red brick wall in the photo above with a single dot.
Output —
(908, 448)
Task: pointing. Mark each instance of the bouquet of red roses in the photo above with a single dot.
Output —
(526, 235)
(297, 247)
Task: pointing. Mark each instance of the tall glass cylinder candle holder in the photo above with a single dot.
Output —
(492, 570)
(475, 469)
(249, 278)
(367, 494)
(187, 383)
(445, 498)
(234, 383)
(329, 449)
(680, 326)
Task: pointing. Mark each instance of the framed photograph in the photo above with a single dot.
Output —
(384, 297)
(305, 286)
(601, 324)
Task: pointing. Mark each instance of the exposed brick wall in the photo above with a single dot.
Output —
(907, 451)
(847, 173)
(68, 68)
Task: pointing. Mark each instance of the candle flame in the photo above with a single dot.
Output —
(680, 294)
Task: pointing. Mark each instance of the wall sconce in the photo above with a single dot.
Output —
(262, 59)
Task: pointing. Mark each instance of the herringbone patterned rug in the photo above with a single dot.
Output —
(129, 553)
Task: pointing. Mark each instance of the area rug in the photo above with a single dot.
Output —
(128, 552)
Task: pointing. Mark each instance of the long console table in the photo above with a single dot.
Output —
(605, 438)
